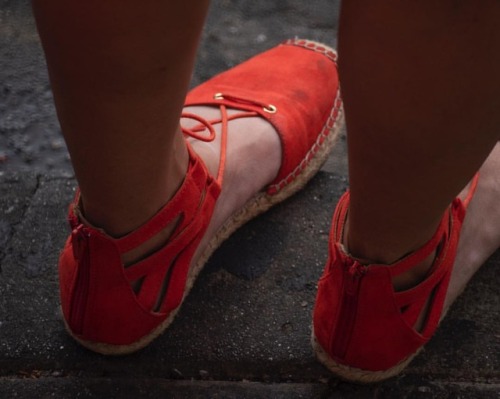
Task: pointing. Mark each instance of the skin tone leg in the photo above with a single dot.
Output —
(119, 72)
(422, 92)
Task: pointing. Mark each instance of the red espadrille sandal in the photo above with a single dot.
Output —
(113, 309)
(363, 330)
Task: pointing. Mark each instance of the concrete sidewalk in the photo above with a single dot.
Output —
(244, 330)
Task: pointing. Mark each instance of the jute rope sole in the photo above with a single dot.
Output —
(353, 374)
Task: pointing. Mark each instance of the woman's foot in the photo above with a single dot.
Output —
(480, 236)
(118, 294)
(366, 330)
(253, 159)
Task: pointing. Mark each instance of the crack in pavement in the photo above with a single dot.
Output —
(11, 228)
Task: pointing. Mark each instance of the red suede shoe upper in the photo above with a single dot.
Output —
(359, 320)
(264, 83)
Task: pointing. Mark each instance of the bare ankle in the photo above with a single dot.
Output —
(367, 253)
(379, 255)
(125, 207)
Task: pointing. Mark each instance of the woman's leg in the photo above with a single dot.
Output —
(119, 72)
(422, 92)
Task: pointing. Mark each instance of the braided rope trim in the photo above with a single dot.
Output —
(330, 126)
(314, 46)
(352, 374)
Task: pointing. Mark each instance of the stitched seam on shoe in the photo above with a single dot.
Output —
(329, 126)
(310, 45)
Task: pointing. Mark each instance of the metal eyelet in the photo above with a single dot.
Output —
(218, 96)
(271, 109)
